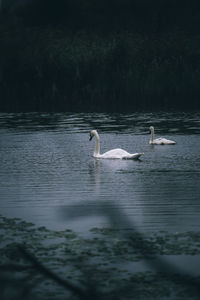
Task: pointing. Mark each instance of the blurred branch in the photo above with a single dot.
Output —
(48, 273)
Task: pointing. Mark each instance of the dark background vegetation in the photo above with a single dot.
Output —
(99, 55)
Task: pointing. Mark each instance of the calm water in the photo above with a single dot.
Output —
(48, 175)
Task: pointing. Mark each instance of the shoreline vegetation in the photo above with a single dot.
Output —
(38, 263)
(113, 56)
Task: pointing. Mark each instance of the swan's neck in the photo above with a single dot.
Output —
(97, 144)
(152, 134)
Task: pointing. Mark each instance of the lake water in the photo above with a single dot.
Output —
(48, 175)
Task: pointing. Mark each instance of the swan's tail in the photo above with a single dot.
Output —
(134, 156)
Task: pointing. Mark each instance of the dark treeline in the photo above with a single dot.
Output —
(99, 55)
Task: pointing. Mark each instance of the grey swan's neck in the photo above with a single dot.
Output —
(152, 134)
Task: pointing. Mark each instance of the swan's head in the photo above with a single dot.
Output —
(93, 133)
(151, 128)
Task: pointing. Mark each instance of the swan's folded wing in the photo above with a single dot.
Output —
(163, 141)
(115, 153)
(169, 142)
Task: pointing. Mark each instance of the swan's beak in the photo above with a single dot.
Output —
(91, 136)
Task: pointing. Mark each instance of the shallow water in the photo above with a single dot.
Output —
(48, 175)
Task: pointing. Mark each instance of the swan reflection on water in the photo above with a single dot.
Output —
(98, 168)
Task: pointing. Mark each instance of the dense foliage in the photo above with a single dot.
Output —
(92, 55)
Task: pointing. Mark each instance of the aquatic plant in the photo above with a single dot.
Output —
(38, 263)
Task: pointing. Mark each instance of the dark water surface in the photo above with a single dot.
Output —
(48, 175)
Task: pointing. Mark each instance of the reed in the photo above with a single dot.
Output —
(73, 67)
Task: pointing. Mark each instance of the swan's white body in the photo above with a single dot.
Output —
(112, 154)
(159, 141)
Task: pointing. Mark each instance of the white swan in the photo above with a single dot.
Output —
(159, 141)
(112, 154)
